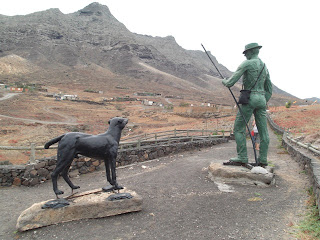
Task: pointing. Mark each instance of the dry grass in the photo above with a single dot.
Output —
(303, 121)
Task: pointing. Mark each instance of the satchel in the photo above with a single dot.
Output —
(245, 93)
(244, 96)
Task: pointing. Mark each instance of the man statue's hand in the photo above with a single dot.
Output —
(224, 82)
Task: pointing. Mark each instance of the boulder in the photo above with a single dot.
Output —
(85, 205)
(240, 175)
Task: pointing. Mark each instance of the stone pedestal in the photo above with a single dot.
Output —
(241, 175)
(90, 204)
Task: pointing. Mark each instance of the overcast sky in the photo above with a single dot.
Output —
(288, 30)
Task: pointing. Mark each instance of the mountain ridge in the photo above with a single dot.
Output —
(69, 48)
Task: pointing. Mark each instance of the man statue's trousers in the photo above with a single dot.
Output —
(256, 106)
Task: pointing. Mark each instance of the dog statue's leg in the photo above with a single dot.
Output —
(108, 188)
(65, 176)
(54, 177)
(114, 177)
(108, 173)
(64, 160)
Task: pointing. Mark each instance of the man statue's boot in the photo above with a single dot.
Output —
(242, 157)
(241, 148)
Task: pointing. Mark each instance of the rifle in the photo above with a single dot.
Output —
(252, 140)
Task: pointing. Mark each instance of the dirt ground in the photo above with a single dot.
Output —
(35, 118)
(179, 202)
(303, 121)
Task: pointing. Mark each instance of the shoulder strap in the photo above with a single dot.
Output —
(258, 77)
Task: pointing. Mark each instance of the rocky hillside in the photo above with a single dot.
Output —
(91, 48)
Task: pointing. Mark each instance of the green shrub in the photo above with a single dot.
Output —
(309, 227)
(288, 104)
(183, 104)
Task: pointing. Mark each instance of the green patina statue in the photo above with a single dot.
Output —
(260, 95)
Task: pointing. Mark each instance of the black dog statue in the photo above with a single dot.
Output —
(102, 146)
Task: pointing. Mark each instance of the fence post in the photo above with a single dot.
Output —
(175, 132)
(139, 144)
(202, 132)
(33, 153)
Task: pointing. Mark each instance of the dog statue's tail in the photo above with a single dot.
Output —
(53, 141)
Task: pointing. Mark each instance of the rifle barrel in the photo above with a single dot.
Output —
(212, 62)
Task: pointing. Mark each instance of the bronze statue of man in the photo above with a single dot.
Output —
(260, 94)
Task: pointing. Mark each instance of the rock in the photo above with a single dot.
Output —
(134, 158)
(52, 162)
(92, 168)
(39, 165)
(42, 172)
(74, 173)
(86, 205)
(26, 182)
(16, 181)
(29, 167)
(83, 170)
(33, 173)
(51, 168)
(96, 163)
(80, 164)
(240, 175)
(34, 181)
(259, 170)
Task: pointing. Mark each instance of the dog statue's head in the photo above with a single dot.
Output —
(118, 122)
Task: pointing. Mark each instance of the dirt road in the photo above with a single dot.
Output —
(180, 202)
(8, 96)
(68, 121)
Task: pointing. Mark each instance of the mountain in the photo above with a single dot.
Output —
(92, 49)
(313, 100)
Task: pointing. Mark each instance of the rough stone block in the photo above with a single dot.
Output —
(86, 205)
(240, 175)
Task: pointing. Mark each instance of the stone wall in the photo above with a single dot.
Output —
(40, 171)
(311, 165)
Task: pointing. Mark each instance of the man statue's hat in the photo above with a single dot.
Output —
(251, 46)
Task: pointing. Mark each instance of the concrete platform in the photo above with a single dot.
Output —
(90, 204)
(257, 176)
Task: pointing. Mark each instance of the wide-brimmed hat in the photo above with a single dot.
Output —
(251, 46)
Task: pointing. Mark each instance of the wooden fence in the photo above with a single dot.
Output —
(143, 140)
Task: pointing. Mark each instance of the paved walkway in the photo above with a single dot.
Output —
(180, 202)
